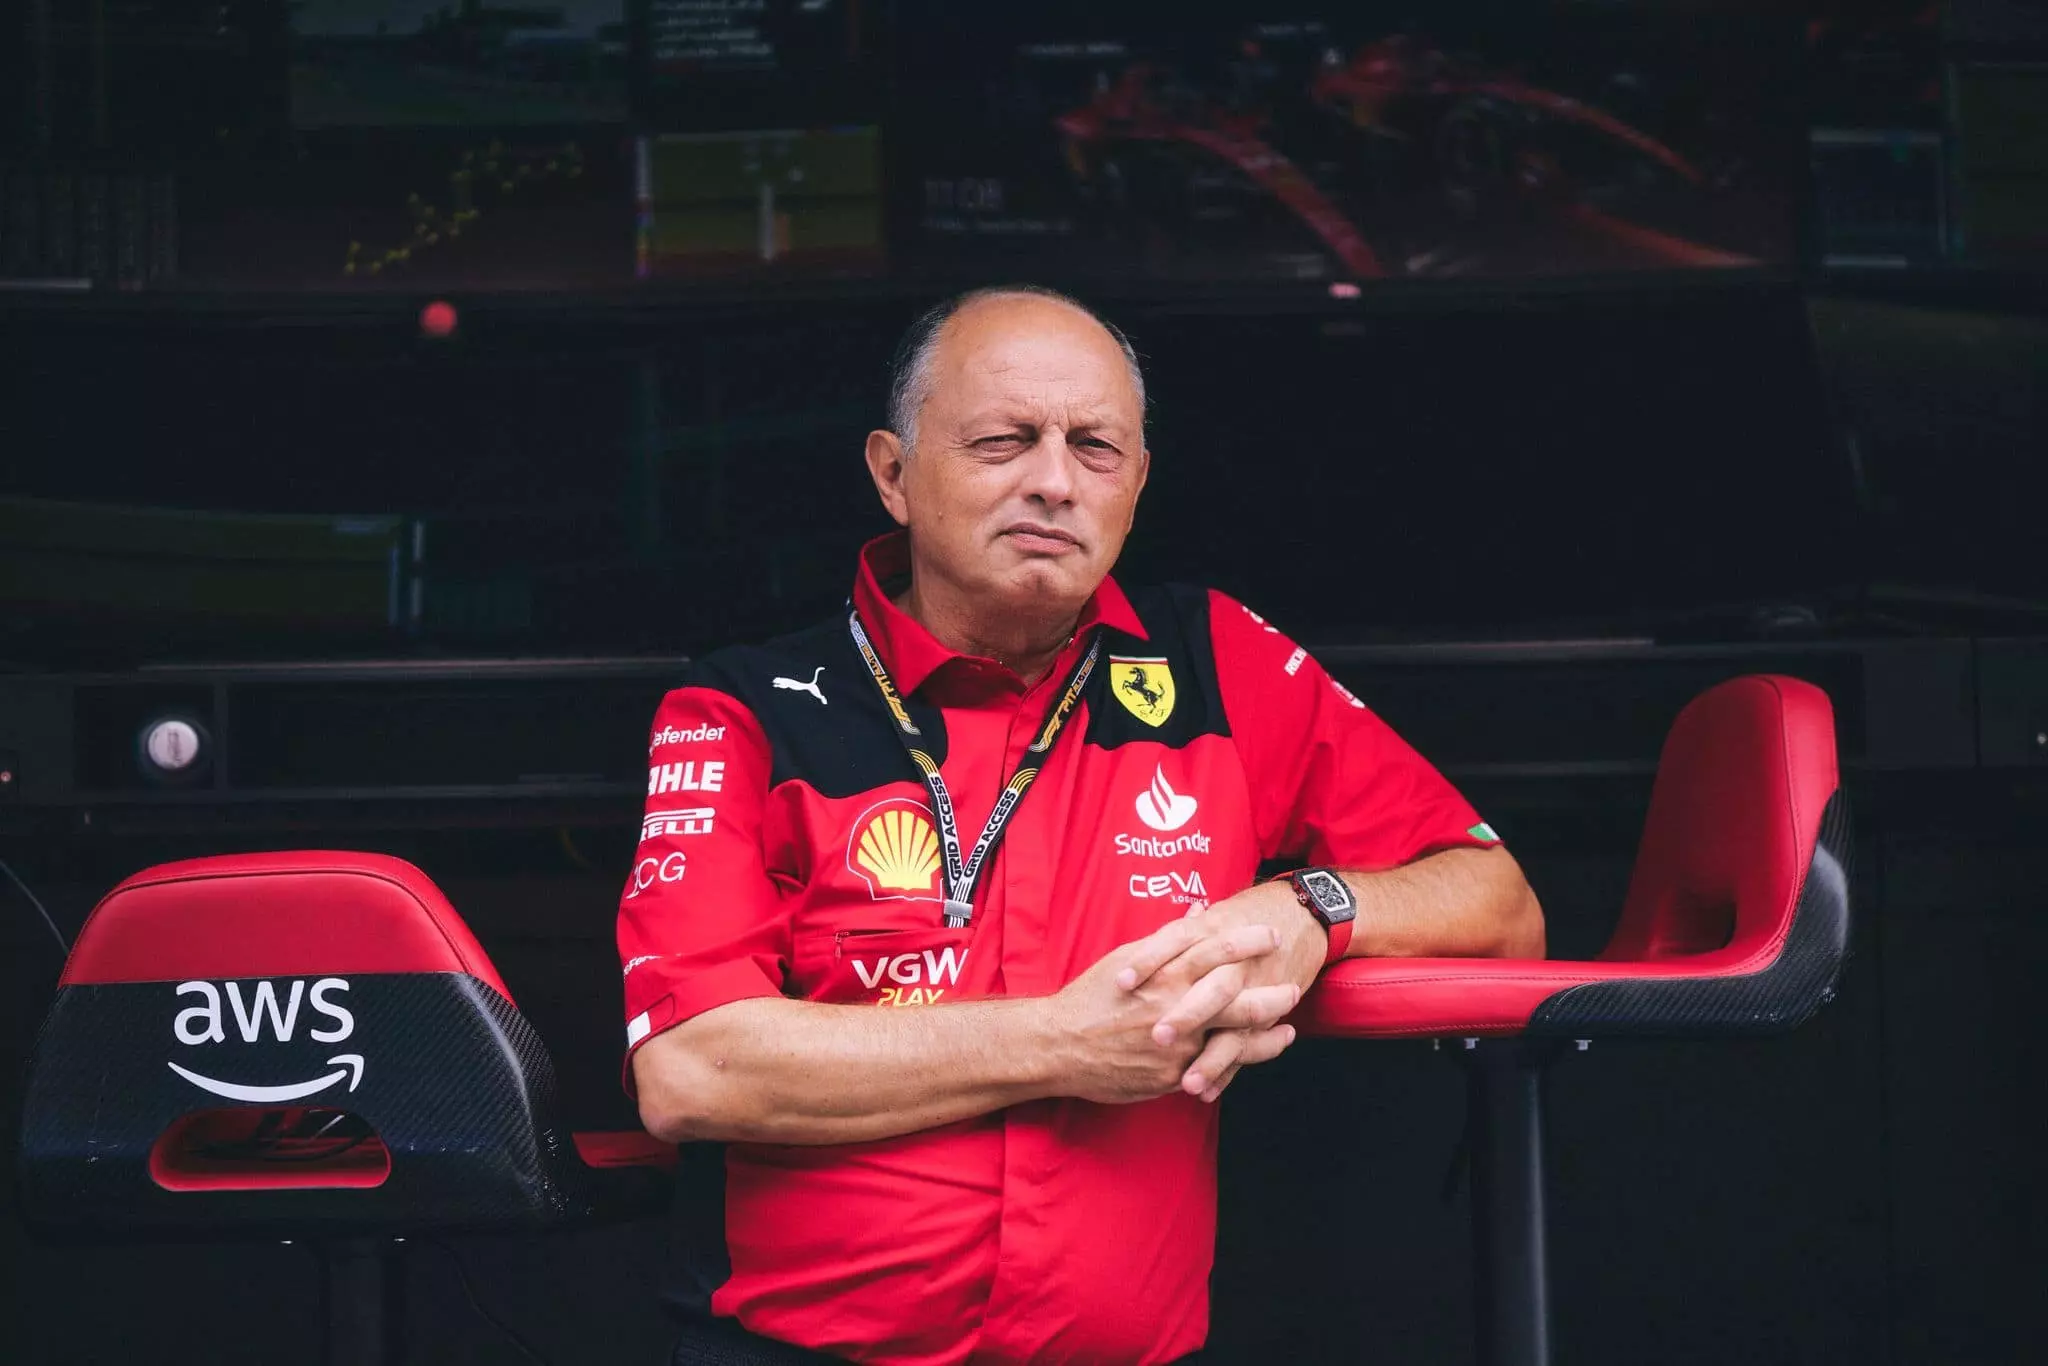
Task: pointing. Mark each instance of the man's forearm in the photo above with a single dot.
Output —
(1461, 903)
(770, 1070)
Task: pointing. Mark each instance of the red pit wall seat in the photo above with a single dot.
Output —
(302, 1043)
(1736, 920)
(1736, 923)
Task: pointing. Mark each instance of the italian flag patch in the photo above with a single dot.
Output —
(1483, 831)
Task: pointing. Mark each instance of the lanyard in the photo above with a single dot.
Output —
(962, 873)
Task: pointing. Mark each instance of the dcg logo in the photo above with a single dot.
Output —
(647, 872)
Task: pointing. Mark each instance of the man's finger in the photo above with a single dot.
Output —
(1261, 1045)
(1257, 1007)
(1218, 1056)
(1200, 1004)
(1216, 1086)
(1201, 955)
(1156, 950)
(1264, 1045)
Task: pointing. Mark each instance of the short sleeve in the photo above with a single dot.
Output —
(1331, 783)
(701, 922)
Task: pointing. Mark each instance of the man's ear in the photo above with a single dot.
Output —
(885, 465)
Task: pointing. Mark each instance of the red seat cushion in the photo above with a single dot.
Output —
(299, 914)
(1392, 998)
(1734, 823)
(625, 1148)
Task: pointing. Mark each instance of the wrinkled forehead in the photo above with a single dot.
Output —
(1033, 356)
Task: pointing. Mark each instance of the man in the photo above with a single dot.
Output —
(1021, 812)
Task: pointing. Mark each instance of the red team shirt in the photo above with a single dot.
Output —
(788, 849)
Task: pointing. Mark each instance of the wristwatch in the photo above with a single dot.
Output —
(1326, 897)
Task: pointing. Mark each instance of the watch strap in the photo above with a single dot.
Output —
(1340, 941)
(1338, 931)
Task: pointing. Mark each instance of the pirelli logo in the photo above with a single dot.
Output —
(694, 820)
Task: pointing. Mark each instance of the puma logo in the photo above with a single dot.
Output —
(810, 687)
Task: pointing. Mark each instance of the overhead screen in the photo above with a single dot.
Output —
(642, 146)
(433, 145)
(1349, 145)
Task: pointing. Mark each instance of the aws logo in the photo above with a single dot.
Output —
(252, 1006)
(894, 849)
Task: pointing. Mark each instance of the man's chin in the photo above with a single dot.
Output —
(1047, 585)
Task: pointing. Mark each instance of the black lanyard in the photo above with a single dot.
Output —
(962, 873)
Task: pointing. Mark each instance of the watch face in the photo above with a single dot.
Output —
(1329, 893)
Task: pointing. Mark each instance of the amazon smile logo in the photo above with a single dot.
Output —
(258, 1009)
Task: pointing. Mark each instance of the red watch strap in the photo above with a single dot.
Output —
(1340, 941)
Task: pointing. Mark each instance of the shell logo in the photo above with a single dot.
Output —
(895, 850)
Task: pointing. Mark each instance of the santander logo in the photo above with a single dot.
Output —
(1163, 809)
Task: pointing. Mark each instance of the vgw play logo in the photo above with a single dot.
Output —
(252, 1006)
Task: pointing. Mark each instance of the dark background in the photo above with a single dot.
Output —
(215, 455)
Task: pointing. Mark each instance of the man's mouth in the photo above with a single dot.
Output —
(1038, 539)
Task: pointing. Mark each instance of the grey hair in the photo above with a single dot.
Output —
(910, 369)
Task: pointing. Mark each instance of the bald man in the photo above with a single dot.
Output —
(945, 933)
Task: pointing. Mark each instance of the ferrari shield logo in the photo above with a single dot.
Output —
(1144, 686)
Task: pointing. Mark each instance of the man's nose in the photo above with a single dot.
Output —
(1049, 470)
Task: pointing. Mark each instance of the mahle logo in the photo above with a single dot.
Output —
(687, 776)
(895, 851)
(254, 1005)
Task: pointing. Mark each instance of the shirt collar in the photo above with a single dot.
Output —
(911, 653)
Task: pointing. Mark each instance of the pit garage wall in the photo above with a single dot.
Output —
(1864, 1190)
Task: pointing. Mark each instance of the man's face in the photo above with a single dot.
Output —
(1030, 456)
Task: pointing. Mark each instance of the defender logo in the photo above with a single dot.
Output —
(1163, 809)
(1144, 684)
(917, 975)
(251, 1010)
(894, 849)
(670, 735)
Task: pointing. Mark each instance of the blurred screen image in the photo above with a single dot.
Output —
(1354, 145)
(432, 63)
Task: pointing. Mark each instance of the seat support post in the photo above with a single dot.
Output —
(362, 1301)
(1510, 1269)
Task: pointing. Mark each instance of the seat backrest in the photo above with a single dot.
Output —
(275, 915)
(310, 1041)
(1743, 860)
